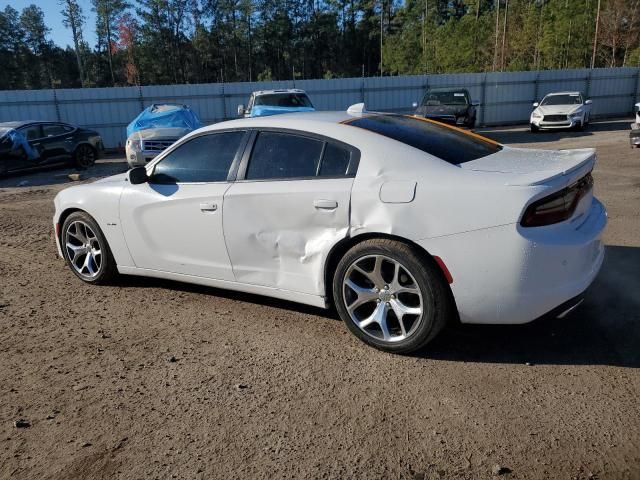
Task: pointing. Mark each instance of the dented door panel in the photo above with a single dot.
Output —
(279, 233)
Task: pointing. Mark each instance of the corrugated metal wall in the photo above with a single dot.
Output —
(505, 97)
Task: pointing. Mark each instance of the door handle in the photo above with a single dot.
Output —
(208, 207)
(325, 204)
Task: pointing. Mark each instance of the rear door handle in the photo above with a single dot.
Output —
(322, 204)
(208, 207)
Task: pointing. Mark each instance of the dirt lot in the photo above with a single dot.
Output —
(153, 379)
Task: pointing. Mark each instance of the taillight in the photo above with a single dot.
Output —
(557, 207)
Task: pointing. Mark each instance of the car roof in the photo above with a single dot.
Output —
(563, 93)
(281, 90)
(18, 124)
(447, 89)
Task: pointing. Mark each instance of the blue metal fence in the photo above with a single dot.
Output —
(505, 97)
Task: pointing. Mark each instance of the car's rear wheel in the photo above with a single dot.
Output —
(86, 250)
(84, 156)
(390, 295)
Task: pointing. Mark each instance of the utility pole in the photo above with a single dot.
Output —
(495, 48)
(381, 30)
(595, 38)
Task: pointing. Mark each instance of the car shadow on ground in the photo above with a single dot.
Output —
(604, 330)
(523, 135)
(110, 165)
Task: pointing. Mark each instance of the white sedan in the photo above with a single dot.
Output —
(561, 110)
(403, 224)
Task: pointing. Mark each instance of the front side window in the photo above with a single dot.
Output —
(280, 155)
(206, 158)
(439, 140)
(31, 132)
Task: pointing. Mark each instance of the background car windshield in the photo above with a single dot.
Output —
(284, 100)
(562, 100)
(445, 98)
(433, 138)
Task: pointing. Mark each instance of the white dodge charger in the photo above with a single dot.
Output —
(403, 224)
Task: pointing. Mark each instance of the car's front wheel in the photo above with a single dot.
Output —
(84, 156)
(534, 128)
(86, 250)
(390, 296)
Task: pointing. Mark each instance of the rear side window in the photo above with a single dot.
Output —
(53, 129)
(335, 161)
(280, 155)
(206, 158)
(438, 140)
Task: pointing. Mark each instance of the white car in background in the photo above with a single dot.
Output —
(561, 110)
(403, 223)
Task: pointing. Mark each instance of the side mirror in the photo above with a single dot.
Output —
(588, 102)
(536, 104)
(138, 175)
(475, 103)
(414, 104)
(240, 110)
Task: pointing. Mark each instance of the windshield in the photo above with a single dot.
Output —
(439, 140)
(445, 98)
(570, 99)
(284, 100)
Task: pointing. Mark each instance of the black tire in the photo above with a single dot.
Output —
(107, 270)
(84, 156)
(436, 301)
(533, 128)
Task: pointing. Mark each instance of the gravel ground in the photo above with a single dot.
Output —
(154, 379)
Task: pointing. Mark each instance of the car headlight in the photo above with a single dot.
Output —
(135, 144)
(536, 115)
(575, 115)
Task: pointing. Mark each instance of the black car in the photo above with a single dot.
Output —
(26, 145)
(449, 105)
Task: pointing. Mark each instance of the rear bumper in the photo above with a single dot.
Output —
(514, 275)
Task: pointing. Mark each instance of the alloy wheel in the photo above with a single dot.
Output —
(382, 298)
(83, 249)
(85, 156)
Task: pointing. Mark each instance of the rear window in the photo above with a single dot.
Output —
(438, 140)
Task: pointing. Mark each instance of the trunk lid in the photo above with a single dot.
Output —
(523, 166)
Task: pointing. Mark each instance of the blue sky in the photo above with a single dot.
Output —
(51, 8)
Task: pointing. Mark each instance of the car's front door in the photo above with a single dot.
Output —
(33, 134)
(173, 223)
(289, 206)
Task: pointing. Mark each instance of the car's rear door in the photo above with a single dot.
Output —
(173, 223)
(289, 206)
(56, 143)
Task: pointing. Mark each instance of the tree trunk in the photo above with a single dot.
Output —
(595, 37)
